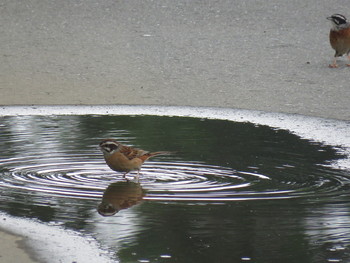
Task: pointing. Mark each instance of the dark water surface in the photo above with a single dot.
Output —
(230, 192)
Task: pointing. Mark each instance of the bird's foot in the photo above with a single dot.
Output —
(333, 65)
(124, 176)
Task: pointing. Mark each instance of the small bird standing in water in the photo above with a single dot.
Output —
(339, 37)
(123, 158)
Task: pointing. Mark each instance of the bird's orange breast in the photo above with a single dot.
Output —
(120, 163)
(340, 41)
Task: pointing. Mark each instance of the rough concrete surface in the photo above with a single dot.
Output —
(263, 55)
(11, 251)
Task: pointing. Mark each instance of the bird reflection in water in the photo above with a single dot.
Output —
(119, 196)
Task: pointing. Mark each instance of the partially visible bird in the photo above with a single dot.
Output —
(339, 37)
(123, 158)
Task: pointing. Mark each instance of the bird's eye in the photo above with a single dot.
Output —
(110, 147)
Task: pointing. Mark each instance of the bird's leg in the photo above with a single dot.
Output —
(349, 59)
(124, 176)
(334, 64)
(137, 177)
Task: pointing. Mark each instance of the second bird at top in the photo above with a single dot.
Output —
(339, 37)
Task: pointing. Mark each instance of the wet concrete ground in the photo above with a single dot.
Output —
(271, 56)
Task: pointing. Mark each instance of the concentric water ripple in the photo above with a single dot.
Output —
(70, 175)
(47, 156)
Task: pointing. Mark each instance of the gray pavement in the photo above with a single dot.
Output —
(263, 55)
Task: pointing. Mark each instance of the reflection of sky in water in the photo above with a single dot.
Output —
(128, 226)
(244, 186)
(328, 222)
(328, 227)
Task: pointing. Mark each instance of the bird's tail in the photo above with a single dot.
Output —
(158, 153)
(149, 155)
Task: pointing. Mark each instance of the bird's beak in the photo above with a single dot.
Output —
(329, 18)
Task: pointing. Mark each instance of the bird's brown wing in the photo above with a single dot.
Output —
(131, 153)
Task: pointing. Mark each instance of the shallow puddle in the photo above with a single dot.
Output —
(229, 192)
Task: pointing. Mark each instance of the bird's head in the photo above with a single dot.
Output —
(109, 146)
(338, 21)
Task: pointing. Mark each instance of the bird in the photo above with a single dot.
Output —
(339, 37)
(122, 158)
